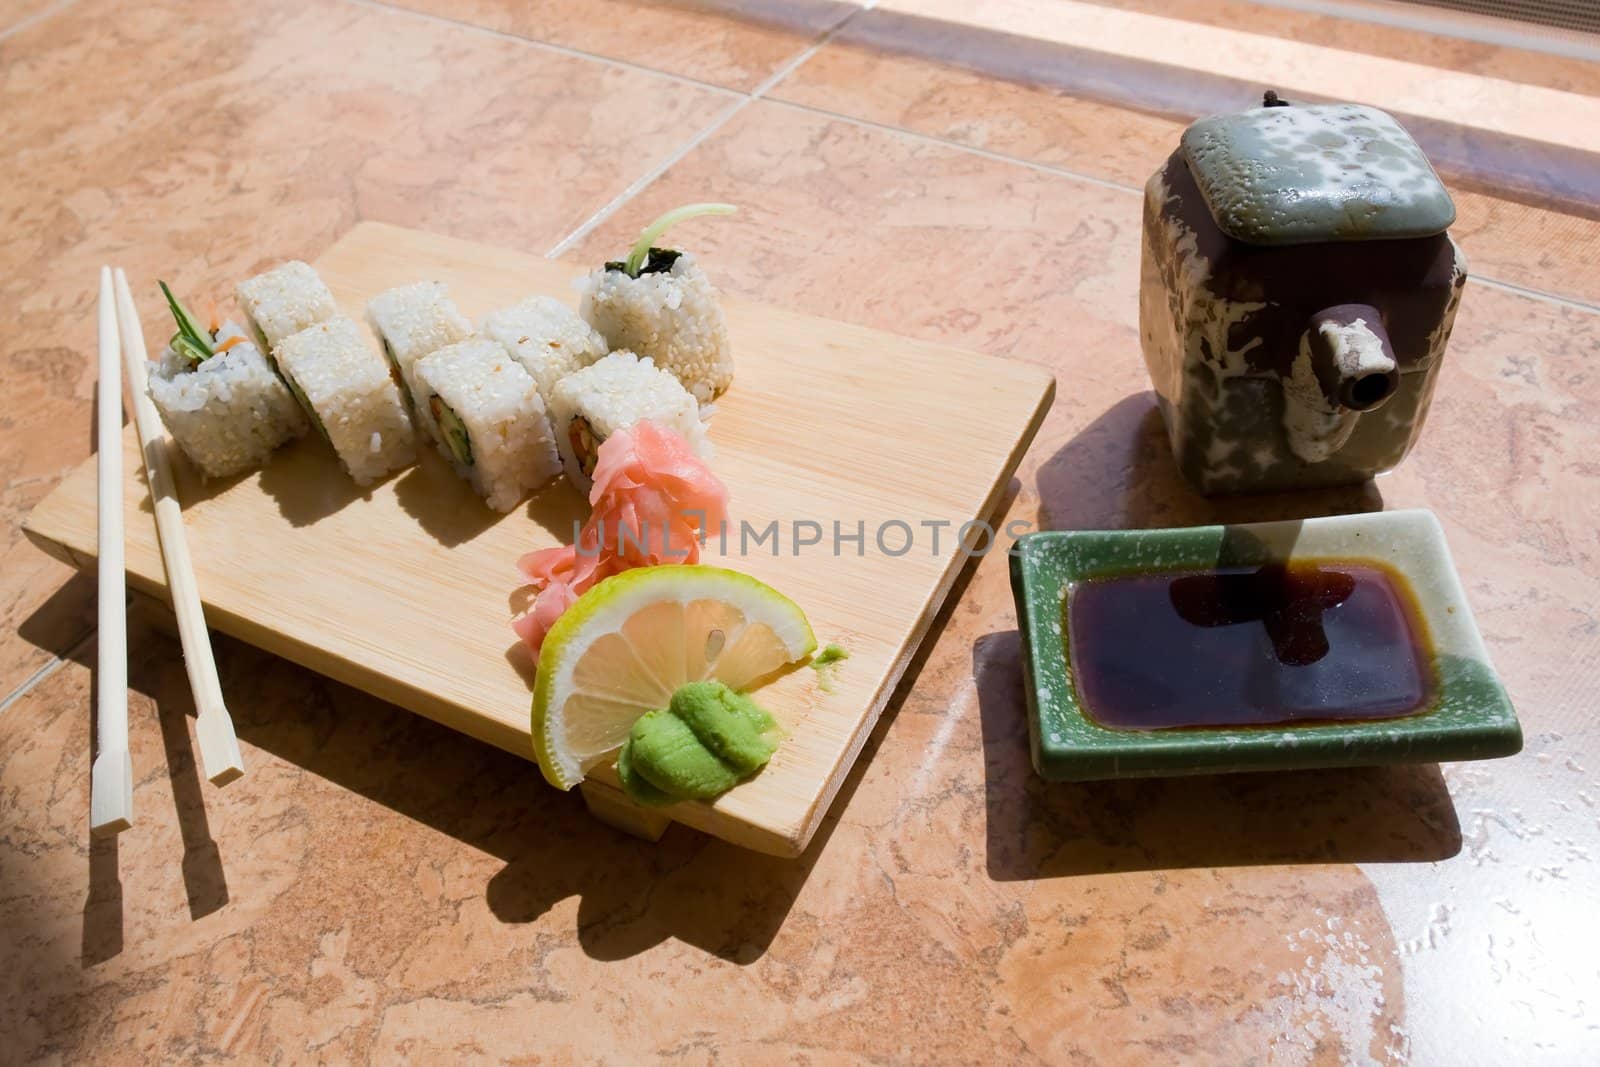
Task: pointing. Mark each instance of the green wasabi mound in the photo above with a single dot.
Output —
(635, 785)
(704, 742)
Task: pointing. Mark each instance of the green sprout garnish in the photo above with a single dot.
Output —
(641, 247)
(190, 342)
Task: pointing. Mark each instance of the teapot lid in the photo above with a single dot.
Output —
(1286, 175)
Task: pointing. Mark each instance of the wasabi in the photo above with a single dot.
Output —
(706, 741)
(825, 663)
(635, 785)
(829, 656)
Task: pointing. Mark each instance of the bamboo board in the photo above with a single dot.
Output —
(405, 590)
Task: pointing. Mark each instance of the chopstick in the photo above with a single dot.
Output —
(219, 747)
(111, 777)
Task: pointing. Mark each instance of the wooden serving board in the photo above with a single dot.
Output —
(405, 590)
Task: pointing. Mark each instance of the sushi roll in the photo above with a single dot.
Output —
(219, 397)
(546, 337)
(659, 304)
(619, 391)
(284, 301)
(346, 391)
(411, 321)
(488, 420)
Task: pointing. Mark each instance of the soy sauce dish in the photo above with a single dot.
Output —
(1329, 642)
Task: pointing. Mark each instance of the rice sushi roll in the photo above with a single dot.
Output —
(487, 418)
(659, 304)
(621, 390)
(546, 337)
(284, 301)
(411, 321)
(219, 397)
(346, 391)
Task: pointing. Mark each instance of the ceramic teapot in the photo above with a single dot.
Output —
(1297, 290)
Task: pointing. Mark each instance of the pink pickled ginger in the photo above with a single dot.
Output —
(651, 502)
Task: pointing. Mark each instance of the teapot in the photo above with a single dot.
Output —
(1297, 290)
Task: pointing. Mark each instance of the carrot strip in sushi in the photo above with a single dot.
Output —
(621, 390)
(219, 397)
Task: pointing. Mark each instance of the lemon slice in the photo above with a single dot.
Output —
(627, 645)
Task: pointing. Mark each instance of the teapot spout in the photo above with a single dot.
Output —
(1351, 356)
(1345, 367)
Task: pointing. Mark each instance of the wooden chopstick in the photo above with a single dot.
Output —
(111, 777)
(219, 747)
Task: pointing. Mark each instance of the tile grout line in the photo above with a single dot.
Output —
(743, 100)
(983, 153)
(760, 92)
(639, 184)
(27, 684)
(1106, 183)
(1533, 294)
(766, 85)
(543, 46)
(56, 662)
(33, 20)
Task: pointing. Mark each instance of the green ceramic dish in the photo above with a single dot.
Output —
(1469, 718)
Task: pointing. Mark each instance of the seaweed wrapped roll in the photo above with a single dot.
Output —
(591, 404)
(284, 301)
(660, 304)
(486, 416)
(346, 390)
(412, 321)
(219, 397)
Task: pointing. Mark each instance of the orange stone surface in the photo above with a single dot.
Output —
(378, 889)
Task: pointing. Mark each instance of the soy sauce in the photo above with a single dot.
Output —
(1308, 640)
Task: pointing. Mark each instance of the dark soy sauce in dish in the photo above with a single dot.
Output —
(1307, 640)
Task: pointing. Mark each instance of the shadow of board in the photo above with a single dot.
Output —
(633, 894)
(726, 900)
(1039, 829)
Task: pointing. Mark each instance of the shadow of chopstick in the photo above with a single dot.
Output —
(102, 908)
(203, 879)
